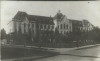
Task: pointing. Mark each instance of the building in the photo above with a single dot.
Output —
(65, 25)
(42, 28)
(83, 26)
(62, 23)
(33, 25)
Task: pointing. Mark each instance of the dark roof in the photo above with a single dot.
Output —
(20, 15)
(41, 19)
(76, 22)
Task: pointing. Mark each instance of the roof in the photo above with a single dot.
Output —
(20, 15)
(41, 19)
(76, 22)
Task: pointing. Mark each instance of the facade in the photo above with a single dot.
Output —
(34, 25)
(83, 26)
(43, 28)
(62, 23)
(65, 25)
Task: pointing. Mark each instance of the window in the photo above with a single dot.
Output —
(41, 26)
(58, 26)
(28, 25)
(64, 32)
(66, 26)
(70, 27)
(32, 31)
(44, 26)
(24, 27)
(33, 25)
(52, 27)
(61, 26)
(48, 26)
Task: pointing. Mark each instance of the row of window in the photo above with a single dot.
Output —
(81, 29)
(26, 26)
(46, 26)
(41, 26)
(63, 26)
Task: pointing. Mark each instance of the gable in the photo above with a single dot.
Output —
(20, 16)
(64, 20)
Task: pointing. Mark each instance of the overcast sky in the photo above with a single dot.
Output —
(80, 10)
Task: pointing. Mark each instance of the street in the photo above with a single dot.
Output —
(88, 54)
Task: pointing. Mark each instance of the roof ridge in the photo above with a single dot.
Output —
(40, 16)
(74, 20)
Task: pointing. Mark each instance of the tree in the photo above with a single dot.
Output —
(3, 34)
(96, 34)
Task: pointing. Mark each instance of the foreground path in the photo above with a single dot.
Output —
(88, 54)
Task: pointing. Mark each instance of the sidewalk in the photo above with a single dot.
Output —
(83, 51)
(61, 50)
(58, 50)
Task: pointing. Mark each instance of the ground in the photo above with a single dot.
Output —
(15, 52)
(88, 54)
(40, 54)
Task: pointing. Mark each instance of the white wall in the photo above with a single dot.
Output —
(62, 22)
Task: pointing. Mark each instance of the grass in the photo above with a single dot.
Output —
(11, 52)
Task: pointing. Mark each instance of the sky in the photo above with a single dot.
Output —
(78, 10)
